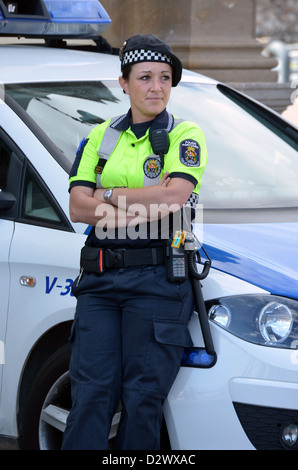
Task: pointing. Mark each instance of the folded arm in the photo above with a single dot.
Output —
(88, 206)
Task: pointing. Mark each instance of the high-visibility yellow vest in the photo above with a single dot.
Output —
(110, 157)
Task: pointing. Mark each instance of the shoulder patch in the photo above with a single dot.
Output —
(190, 153)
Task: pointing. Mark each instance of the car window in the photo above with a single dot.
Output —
(67, 111)
(251, 164)
(36, 204)
(4, 164)
(31, 200)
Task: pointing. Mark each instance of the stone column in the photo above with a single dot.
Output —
(222, 43)
(212, 37)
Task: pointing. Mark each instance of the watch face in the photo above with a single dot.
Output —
(107, 194)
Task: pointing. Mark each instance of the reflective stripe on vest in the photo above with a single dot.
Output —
(110, 140)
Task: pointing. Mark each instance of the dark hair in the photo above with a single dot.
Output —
(126, 72)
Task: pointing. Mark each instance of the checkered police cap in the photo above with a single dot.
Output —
(149, 48)
(133, 57)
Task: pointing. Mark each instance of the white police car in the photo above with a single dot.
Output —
(244, 396)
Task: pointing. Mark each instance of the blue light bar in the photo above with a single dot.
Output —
(53, 18)
(197, 357)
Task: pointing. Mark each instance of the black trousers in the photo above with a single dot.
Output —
(130, 328)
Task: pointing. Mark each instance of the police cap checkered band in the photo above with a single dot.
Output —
(148, 47)
(142, 55)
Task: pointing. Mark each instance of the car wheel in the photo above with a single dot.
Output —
(50, 392)
(48, 405)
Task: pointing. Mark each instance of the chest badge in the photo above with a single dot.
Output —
(152, 167)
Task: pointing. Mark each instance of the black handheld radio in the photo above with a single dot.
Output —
(176, 262)
(159, 140)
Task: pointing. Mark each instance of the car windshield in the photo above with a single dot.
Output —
(252, 162)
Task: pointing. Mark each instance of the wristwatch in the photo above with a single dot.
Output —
(107, 194)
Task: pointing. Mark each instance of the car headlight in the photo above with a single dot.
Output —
(275, 322)
(262, 319)
(221, 314)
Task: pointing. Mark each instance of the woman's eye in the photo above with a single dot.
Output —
(148, 77)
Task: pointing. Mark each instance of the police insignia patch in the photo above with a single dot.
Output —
(152, 167)
(190, 153)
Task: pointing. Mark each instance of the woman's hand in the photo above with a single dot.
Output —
(98, 194)
(153, 202)
(165, 179)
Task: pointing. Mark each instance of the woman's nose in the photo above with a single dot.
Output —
(156, 86)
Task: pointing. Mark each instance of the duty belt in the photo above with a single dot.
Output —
(97, 260)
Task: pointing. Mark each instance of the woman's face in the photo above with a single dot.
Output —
(149, 87)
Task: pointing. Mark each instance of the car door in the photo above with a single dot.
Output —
(6, 232)
(39, 256)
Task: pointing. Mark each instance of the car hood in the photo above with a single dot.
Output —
(265, 255)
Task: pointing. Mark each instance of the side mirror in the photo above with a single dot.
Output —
(7, 200)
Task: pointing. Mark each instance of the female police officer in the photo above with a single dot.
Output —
(131, 323)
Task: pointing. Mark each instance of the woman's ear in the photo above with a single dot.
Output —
(124, 85)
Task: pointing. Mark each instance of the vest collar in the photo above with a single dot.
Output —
(164, 120)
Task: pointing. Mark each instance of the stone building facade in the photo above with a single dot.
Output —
(214, 37)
